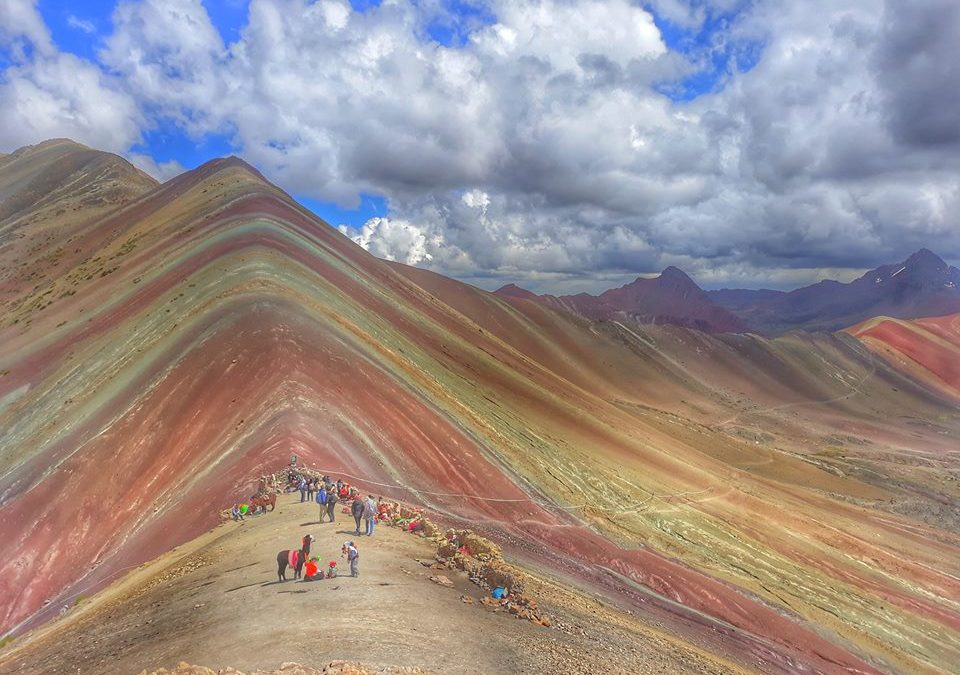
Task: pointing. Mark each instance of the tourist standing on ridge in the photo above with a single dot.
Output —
(332, 503)
(310, 489)
(302, 486)
(322, 501)
(353, 555)
(370, 514)
(357, 510)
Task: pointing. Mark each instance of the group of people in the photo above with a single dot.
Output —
(310, 486)
(306, 484)
(366, 510)
(312, 572)
(308, 566)
(328, 493)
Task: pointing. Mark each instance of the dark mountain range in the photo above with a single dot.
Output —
(671, 298)
(922, 285)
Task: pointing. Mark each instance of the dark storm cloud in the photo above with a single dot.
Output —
(918, 66)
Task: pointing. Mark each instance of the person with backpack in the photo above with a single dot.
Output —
(322, 501)
(302, 486)
(356, 509)
(332, 499)
(370, 514)
(353, 556)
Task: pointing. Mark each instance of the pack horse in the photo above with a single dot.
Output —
(294, 558)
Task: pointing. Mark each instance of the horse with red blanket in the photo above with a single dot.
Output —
(294, 558)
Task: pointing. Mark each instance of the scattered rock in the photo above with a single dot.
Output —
(442, 580)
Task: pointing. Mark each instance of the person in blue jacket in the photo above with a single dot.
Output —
(322, 501)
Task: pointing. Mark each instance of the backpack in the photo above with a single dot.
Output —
(321, 497)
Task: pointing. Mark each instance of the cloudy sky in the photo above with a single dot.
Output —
(561, 144)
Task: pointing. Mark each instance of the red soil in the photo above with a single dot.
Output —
(288, 338)
(930, 345)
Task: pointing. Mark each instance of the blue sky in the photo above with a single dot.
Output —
(562, 144)
(79, 28)
(718, 61)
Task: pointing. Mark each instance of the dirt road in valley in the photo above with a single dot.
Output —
(216, 602)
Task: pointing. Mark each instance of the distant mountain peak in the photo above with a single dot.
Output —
(925, 258)
(514, 291)
(677, 276)
(923, 285)
(673, 276)
(509, 288)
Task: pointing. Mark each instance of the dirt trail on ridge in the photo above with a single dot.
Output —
(216, 602)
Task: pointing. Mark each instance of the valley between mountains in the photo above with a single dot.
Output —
(784, 504)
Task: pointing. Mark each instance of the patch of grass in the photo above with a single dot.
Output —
(830, 451)
(127, 247)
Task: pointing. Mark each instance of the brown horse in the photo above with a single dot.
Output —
(261, 502)
(300, 558)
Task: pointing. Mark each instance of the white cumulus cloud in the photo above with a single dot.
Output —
(392, 239)
(541, 145)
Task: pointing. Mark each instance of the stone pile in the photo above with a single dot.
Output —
(521, 606)
(459, 549)
(480, 558)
